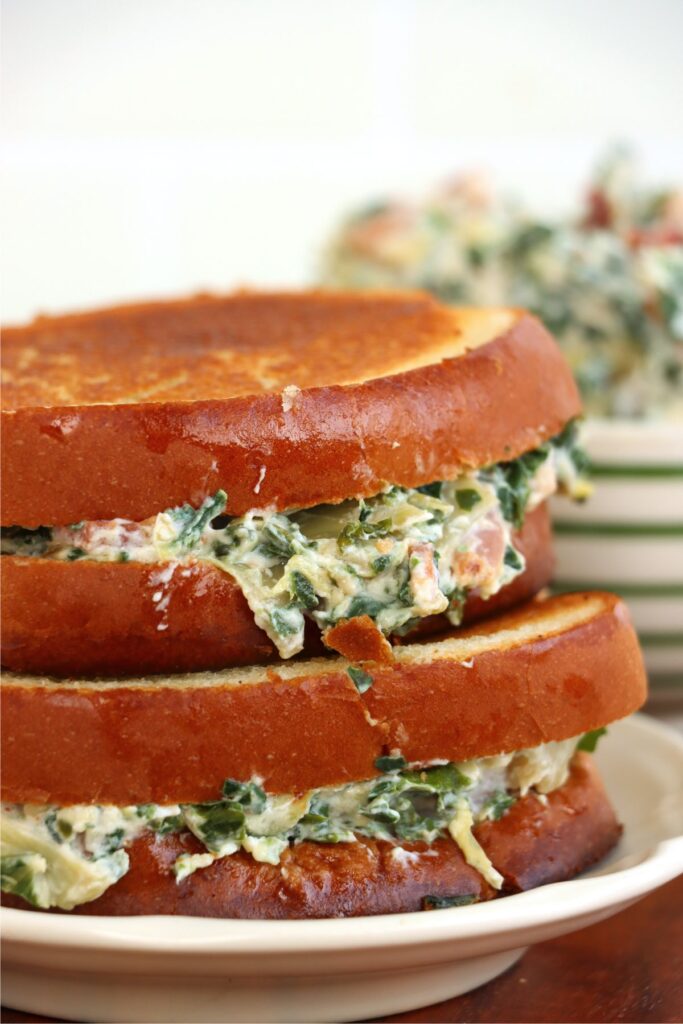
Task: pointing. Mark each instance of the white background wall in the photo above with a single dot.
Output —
(160, 146)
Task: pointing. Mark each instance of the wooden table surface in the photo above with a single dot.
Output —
(629, 968)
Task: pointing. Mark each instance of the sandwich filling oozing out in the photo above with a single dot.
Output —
(64, 856)
(398, 557)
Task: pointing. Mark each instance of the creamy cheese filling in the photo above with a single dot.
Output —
(607, 281)
(398, 557)
(65, 856)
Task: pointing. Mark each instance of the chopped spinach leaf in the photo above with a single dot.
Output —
(589, 740)
(361, 680)
(52, 827)
(456, 600)
(356, 533)
(442, 777)
(405, 594)
(568, 440)
(22, 876)
(312, 819)
(476, 255)
(165, 826)
(276, 542)
(215, 823)
(248, 794)
(286, 621)
(467, 498)
(113, 841)
(363, 604)
(390, 763)
(497, 805)
(316, 828)
(191, 522)
(513, 558)
(527, 238)
(431, 490)
(442, 902)
(303, 591)
(512, 481)
(381, 811)
(386, 784)
(381, 563)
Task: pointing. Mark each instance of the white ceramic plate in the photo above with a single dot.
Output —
(193, 969)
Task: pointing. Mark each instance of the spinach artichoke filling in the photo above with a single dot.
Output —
(397, 557)
(65, 856)
(606, 280)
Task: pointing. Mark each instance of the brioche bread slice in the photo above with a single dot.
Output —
(283, 400)
(549, 671)
(533, 844)
(99, 619)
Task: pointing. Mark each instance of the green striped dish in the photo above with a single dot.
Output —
(669, 684)
(578, 527)
(628, 538)
(674, 639)
(623, 589)
(601, 470)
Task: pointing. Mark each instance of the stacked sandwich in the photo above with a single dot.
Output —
(269, 617)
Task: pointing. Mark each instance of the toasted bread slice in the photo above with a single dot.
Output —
(283, 400)
(533, 844)
(99, 619)
(549, 671)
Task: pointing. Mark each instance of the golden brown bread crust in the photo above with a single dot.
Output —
(64, 462)
(98, 618)
(573, 665)
(534, 844)
(216, 347)
(359, 640)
